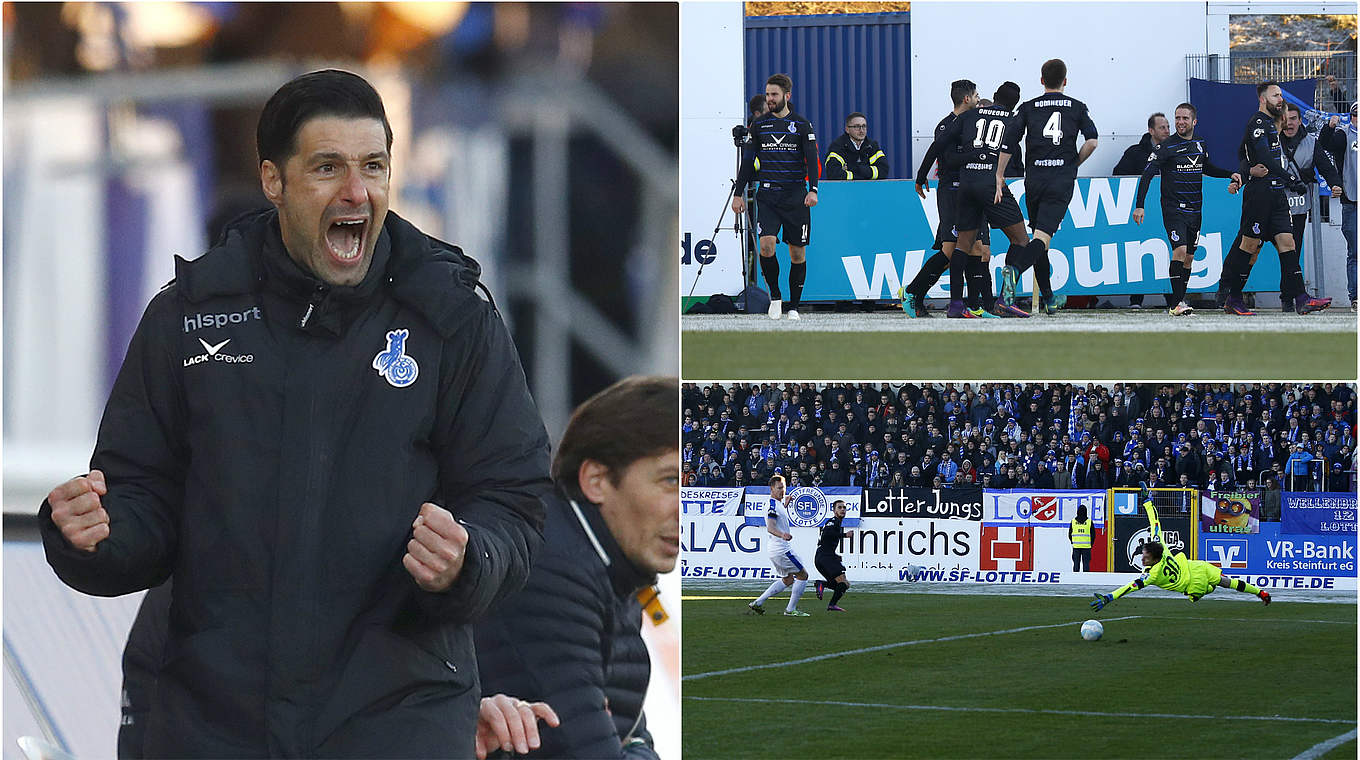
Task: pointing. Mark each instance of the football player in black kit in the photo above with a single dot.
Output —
(1049, 124)
(1182, 162)
(828, 561)
(964, 95)
(971, 144)
(784, 148)
(1265, 210)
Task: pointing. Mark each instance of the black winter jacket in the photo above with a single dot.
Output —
(1135, 158)
(572, 638)
(843, 161)
(268, 442)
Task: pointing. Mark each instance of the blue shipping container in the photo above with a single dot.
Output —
(840, 63)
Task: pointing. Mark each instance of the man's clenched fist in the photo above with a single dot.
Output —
(434, 555)
(78, 512)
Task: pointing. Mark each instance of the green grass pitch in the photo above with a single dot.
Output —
(1115, 354)
(1169, 678)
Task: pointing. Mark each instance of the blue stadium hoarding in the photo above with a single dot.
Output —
(870, 237)
(1322, 514)
(1273, 552)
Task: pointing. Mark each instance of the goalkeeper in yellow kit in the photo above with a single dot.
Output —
(1174, 571)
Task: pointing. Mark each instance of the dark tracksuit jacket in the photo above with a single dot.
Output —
(572, 638)
(268, 442)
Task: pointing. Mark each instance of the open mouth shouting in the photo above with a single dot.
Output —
(345, 238)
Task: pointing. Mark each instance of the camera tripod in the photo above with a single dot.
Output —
(740, 226)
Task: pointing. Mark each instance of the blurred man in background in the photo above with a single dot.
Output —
(572, 636)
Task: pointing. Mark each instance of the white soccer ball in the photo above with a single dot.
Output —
(914, 572)
(1092, 630)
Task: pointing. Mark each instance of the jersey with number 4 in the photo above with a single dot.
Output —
(972, 142)
(1049, 124)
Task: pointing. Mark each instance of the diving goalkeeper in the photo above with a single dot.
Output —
(1174, 571)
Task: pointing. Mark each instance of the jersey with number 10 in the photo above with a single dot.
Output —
(971, 143)
(1050, 124)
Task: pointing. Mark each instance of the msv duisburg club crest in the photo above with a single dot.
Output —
(393, 364)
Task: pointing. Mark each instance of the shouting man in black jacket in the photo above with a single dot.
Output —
(324, 435)
(572, 637)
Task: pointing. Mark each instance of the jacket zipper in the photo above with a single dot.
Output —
(317, 294)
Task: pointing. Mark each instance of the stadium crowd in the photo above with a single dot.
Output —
(1288, 436)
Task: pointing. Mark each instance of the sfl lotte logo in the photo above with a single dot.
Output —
(807, 507)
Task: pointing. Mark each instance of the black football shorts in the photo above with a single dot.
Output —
(976, 210)
(1265, 212)
(782, 210)
(1046, 201)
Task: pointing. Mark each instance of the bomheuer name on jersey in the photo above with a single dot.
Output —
(1053, 102)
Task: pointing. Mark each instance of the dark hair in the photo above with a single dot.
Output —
(1193, 112)
(960, 89)
(1152, 120)
(631, 419)
(1007, 95)
(1155, 549)
(854, 114)
(1294, 108)
(756, 103)
(1081, 513)
(782, 81)
(329, 92)
(1053, 72)
(1266, 85)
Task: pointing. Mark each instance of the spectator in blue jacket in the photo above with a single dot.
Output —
(1297, 465)
(947, 470)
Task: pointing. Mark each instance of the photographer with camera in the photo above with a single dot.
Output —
(782, 157)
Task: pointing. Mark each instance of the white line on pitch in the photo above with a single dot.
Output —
(881, 647)
(1322, 748)
(1040, 711)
